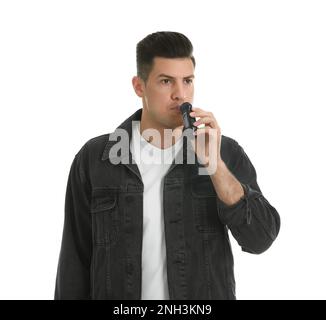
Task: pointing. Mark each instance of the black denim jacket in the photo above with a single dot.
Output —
(101, 248)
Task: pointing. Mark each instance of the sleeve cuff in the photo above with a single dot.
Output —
(238, 213)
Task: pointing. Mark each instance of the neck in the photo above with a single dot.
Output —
(164, 137)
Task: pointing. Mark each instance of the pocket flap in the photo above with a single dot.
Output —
(103, 199)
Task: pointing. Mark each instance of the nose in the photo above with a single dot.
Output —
(178, 92)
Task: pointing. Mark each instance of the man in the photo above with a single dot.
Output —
(141, 229)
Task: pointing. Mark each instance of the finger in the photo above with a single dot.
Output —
(207, 121)
(198, 112)
(197, 109)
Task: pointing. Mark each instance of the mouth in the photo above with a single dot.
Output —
(175, 108)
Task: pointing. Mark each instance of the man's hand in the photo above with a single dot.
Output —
(207, 144)
(208, 151)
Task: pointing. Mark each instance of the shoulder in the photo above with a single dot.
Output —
(229, 142)
(230, 150)
(98, 142)
(93, 148)
(229, 145)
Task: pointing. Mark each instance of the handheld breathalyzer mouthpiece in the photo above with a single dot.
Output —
(188, 121)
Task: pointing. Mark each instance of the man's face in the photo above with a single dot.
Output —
(170, 83)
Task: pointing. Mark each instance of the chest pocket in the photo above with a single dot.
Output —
(105, 216)
(204, 205)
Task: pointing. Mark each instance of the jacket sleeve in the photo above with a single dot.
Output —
(73, 274)
(253, 221)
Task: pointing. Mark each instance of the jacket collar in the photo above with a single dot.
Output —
(126, 125)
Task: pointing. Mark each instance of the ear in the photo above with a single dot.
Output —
(139, 86)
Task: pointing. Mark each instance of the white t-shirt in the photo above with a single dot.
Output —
(153, 163)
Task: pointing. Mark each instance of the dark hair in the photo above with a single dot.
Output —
(165, 44)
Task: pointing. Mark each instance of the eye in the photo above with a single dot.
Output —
(165, 81)
(188, 81)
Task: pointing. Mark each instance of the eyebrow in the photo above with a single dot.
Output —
(170, 77)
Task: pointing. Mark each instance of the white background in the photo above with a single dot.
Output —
(65, 77)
